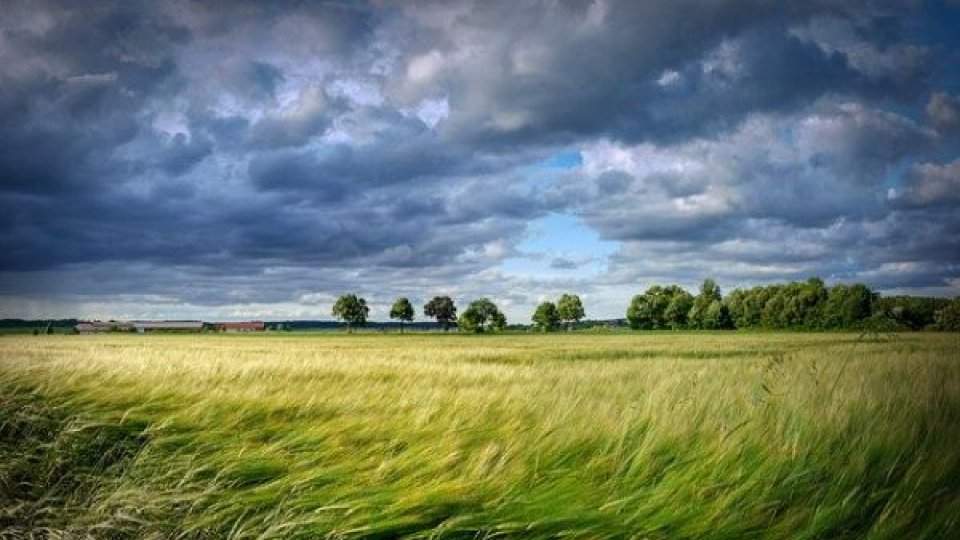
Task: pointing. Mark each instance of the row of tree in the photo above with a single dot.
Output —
(481, 315)
(806, 304)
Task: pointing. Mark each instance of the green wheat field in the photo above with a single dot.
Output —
(642, 435)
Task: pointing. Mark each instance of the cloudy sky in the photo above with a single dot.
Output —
(251, 160)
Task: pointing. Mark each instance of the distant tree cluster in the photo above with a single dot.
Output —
(480, 316)
(660, 308)
(567, 311)
(948, 317)
(920, 313)
(803, 305)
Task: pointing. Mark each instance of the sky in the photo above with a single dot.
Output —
(238, 160)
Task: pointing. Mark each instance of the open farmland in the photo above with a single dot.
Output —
(652, 435)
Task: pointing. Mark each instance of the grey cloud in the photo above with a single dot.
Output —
(561, 263)
(883, 58)
(182, 153)
(944, 111)
(302, 172)
(932, 184)
(307, 117)
(575, 71)
(259, 79)
(807, 169)
(904, 251)
(909, 275)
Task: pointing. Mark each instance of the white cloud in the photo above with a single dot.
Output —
(668, 78)
(724, 61)
(93, 78)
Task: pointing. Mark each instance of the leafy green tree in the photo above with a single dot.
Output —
(481, 316)
(402, 311)
(352, 310)
(659, 307)
(847, 305)
(545, 317)
(754, 303)
(640, 312)
(812, 298)
(771, 316)
(443, 309)
(736, 306)
(912, 312)
(709, 293)
(717, 317)
(570, 309)
(948, 317)
(675, 314)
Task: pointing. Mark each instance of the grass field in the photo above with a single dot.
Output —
(587, 436)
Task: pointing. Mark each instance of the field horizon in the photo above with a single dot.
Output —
(586, 435)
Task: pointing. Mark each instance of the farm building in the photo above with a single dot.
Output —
(249, 326)
(167, 326)
(90, 327)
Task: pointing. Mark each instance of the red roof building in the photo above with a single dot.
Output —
(248, 326)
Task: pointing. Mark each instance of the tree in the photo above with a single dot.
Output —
(913, 312)
(545, 317)
(402, 311)
(482, 315)
(443, 309)
(773, 308)
(675, 314)
(709, 293)
(570, 309)
(352, 310)
(948, 317)
(659, 307)
(813, 296)
(717, 317)
(640, 313)
(847, 305)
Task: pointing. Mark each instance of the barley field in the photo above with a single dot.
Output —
(644, 435)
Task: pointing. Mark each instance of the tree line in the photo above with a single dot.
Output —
(798, 305)
(481, 315)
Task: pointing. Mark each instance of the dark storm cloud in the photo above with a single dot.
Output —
(808, 170)
(308, 117)
(181, 153)
(632, 70)
(259, 79)
(378, 145)
(931, 185)
(944, 111)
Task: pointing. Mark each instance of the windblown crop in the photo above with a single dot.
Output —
(594, 436)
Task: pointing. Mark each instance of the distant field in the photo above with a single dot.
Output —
(589, 436)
